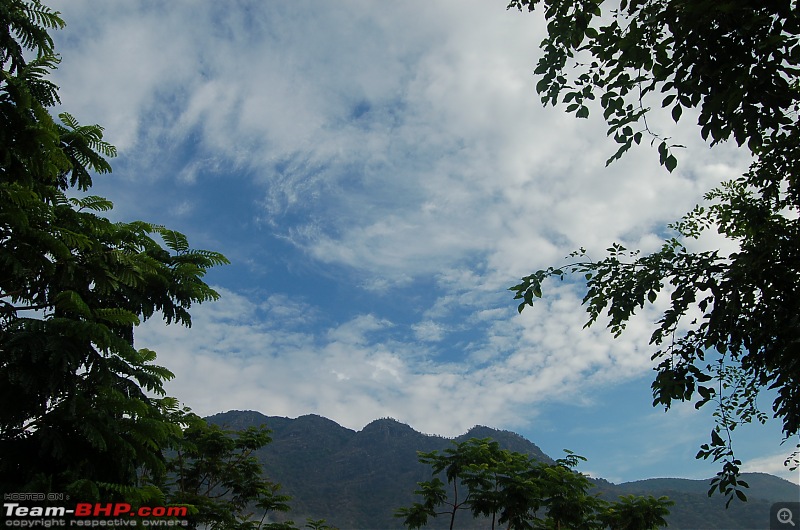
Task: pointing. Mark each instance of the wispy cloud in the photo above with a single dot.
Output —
(273, 357)
(379, 174)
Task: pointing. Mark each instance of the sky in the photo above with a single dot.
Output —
(379, 173)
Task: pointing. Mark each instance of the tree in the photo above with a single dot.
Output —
(513, 490)
(737, 63)
(81, 408)
(318, 524)
(636, 512)
(467, 464)
(215, 471)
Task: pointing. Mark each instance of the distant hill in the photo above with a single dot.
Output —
(356, 479)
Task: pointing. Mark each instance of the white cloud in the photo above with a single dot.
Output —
(183, 208)
(429, 331)
(235, 357)
(774, 465)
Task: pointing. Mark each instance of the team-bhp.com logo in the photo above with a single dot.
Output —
(93, 515)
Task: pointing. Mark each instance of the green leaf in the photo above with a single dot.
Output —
(716, 440)
(71, 302)
(93, 202)
(677, 110)
(670, 163)
(174, 240)
(117, 316)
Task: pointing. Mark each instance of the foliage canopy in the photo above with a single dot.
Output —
(736, 63)
(216, 472)
(513, 490)
(79, 413)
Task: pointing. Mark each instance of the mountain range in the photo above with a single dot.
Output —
(357, 479)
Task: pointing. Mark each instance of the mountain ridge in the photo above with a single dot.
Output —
(356, 479)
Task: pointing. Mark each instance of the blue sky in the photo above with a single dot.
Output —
(379, 174)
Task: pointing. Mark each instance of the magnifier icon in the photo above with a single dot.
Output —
(785, 516)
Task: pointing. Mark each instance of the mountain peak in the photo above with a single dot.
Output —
(508, 440)
(238, 419)
(386, 424)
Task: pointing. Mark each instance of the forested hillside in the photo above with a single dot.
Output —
(356, 479)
